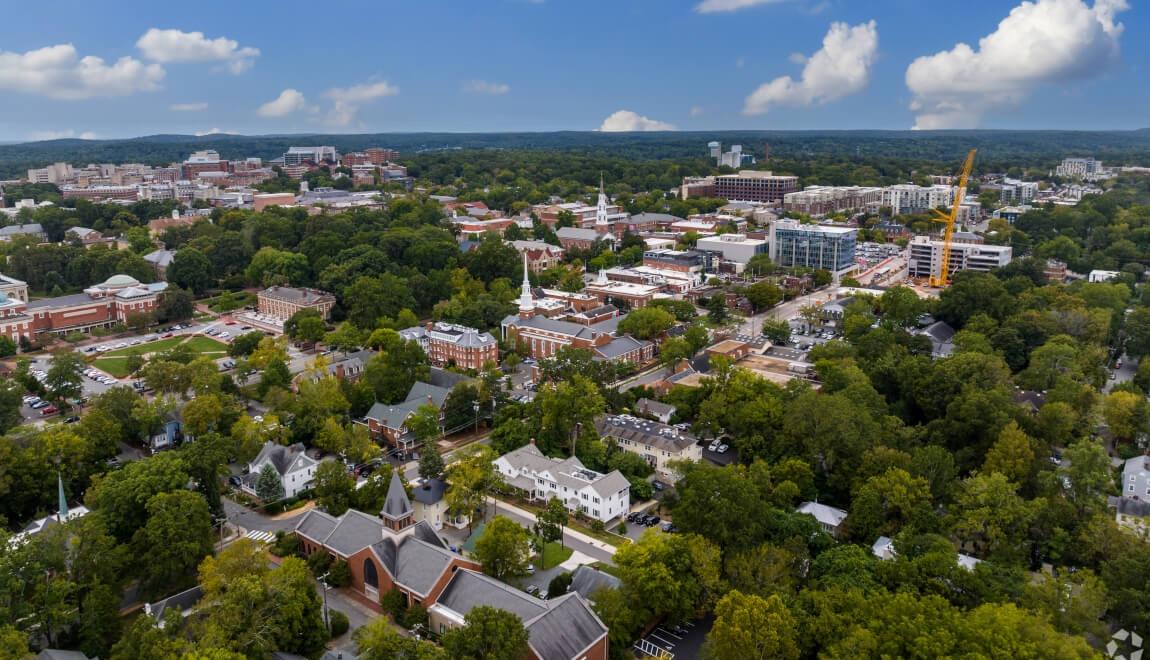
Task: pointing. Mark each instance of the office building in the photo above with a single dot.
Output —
(754, 186)
(301, 155)
(203, 161)
(281, 302)
(795, 245)
(736, 248)
(56, 173)
(926, 256)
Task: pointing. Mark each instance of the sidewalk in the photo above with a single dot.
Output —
(589, 540)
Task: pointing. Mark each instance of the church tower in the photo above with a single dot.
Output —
(601, 224)
(526, 298)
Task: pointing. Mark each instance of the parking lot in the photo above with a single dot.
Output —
(684, 640)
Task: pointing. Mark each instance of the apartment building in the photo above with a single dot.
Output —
(598, 496)
(657, 443)
(824, 200)
(754, 186)
(302, 155)
(1076, 168)
(454, 345)
(926, 256)
(795, 245)
(908, 198)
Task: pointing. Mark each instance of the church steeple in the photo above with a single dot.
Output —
(526, 298)
(601, 223)
(62, 503)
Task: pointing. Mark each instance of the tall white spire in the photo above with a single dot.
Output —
(526, 298)
(601, 212)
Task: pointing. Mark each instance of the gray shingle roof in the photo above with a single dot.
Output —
(620, 346)
(565, 630)
(316, 525)
(654, 434)
(397, 506)
(354, 532)
(181, 602)
(430, 491)
(586, 580)
(468, 590)
(419, 564)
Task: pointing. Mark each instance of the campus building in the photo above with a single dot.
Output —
(99, 306)
(754, 186)
(926, 256)
(657, 443)
(281, 302)
(447, 344)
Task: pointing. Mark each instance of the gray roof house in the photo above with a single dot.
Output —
(32, 229)
(586, 580)
(183, 602)
(829, 517)
(295, 467)
(657, 409)
(598, 496)
(389, 421)
(560, 629)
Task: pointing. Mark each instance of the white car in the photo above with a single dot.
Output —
(225, 335)
(714, 446)
(122, 345)
(722, 449)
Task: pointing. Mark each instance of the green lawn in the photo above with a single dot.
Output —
(555, 554)
(115, 362)
(202, 344)
(116, 367)
(158, 346)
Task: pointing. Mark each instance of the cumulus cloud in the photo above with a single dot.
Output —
(486, 87)
(59, 72)
(60, 135)
(188, 107)
(346, 101)
(287, 102)
(840, 68)
(1041, 42)
(214, 131)
(625, 120)
(720, 6)
(179, 46)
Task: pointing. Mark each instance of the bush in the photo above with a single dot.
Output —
(394, 603)
(319, 562)
(597, 525)
(415, 616)
(338, 621)
(622, 528)
(286, 545)
(559, 585)
(339, 575)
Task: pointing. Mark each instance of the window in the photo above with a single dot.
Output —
(370, 574)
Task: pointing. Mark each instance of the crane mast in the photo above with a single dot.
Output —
(948, 219)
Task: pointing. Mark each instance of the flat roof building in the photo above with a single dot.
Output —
(755, 186)
(795, 245)
(926, 256)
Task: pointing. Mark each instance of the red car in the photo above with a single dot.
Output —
(166, 335)
(229, 322)
(50, 410)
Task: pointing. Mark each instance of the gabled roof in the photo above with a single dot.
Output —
(586, 580)
(653, 407)
(180, 602)
(827, 515)
(354, 531)
(316, 525)
(284, 459)
(431, 491)
(397, 506)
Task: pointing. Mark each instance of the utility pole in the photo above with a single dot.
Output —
(326, 616)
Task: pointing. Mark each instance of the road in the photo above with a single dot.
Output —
(1123, 374)
(595, 549)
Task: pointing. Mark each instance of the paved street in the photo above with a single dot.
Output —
(593, 548)
(241, 516)
(1122, 374)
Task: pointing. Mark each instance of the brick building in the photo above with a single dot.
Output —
(540, 255)
(99, 306)
(447, 344)
(282, 302)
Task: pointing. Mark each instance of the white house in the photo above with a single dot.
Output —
(829, 517)
(429, 501)
(295, 467)
(598, 496)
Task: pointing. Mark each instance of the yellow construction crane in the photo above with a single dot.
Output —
(942, 278)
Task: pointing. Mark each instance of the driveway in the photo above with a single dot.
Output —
(250, 519)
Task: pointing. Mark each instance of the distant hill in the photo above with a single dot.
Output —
(1021, 147)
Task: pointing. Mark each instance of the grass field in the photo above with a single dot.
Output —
(554, 554)
(115, 362)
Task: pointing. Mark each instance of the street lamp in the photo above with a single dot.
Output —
(326, 617)
(475, 407)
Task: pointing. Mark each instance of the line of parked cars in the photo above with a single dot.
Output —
(99, 376)
(36, 403)
(718, 446)
(644, 519)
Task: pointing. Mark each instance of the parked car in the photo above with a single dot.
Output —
(653, 520)
(722, 449)
(667, 527)
(234, 481)
(532, 589)
(658, 485)
(72, 420)
(49, 410)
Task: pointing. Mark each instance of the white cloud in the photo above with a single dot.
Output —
(346, 101)
(797, 58)
(59, 72)
(1041, 42)
(214, 131)
(697, 111)
(486, 87)
(625, 120)
(178, 46)
(840, 68)
(188, 107)
(287, 102)
(719, 6)
(89, 135)
(66, 133)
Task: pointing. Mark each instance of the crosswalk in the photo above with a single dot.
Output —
(260, 537)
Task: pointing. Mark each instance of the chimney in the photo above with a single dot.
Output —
(531, 442)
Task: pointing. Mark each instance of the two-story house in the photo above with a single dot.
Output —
(658, 444)
(295, 467)
(598, 496)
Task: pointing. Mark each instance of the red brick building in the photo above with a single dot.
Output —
(447, 344)
(99, 306)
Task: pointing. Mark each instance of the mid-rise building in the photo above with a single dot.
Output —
(201, 162)
(598, 496)
(754, 186)
(301, 155)
(281, 302)
(100, 306)
(1013, 191)
(1076, 168)
(908, 198)
(448, 345)
(379, 155)
(795, 245)
(926, 256)
(697, 186)
(823, 200)
(56, 173)
(100, 193)
(657, 443)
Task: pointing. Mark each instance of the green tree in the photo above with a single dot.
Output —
(245, 344)
(380, 640)
(177, 536)
(888, 502)
(1126, 413)
(750, 626)
(779, 332)
(504, 549)
(431, 465)
(1012, 455)
(269, 484)
(489, 633)
(989, 512)
(763, 295)
(552, 521)
(13, 643)
(65, 375)
(122, 496)
(346, 337)
(647, 323)
(191, 270)
(471, 477)
(334, 487)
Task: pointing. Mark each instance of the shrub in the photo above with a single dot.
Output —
(416, 616)
(338, 621)
(339, 575)
(597, 525)
(622, 528)
(559, 585)
(394, 603)
(319, 562)
(286, 545)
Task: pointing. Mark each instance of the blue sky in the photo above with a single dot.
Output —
(538, 65)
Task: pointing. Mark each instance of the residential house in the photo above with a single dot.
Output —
(33, 230)
(658, 444)
(170, 434)
(598, 496)
(184, 602)
(388, 423)
(385, 552)
(295, 468)
(564, 628)
(345, 366)
(884, 549)
(586, 580)
(830, 518)
(430, 503)
(83, 236)
(656, 409)
(941, 336)
(160, 260)
(540, 256)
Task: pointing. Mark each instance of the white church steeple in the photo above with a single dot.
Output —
(526, 298)
(601, 223)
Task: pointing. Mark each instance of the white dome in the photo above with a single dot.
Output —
(120, 281)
